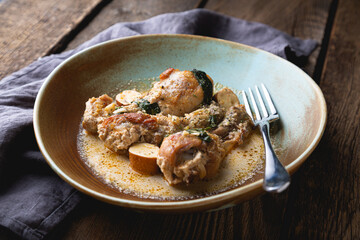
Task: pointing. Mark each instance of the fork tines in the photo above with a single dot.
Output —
(265, 116)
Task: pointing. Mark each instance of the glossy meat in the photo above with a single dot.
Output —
(184, 157)
(120, 131)
(201, 118)
(97, 109)
(234, 128)
(177, 92)
(199, 136)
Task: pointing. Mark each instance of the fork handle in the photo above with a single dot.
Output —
(276, 178)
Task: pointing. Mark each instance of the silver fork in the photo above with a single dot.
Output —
(276, 177)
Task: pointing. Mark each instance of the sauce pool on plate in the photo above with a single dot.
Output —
(241, 164)
(205, 140)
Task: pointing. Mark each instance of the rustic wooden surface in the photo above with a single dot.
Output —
(323, 201)
(129, 11)
(303, 19)
(32, 29)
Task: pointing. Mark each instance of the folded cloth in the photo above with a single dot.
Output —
(33, 199)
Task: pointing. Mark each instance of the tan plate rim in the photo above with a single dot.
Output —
(224, 197)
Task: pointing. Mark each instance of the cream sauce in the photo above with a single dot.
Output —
(240, 165)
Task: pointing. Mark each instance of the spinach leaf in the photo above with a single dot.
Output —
(205, 137)
(206, 85)
(201, 133)
(212, 121)
(149, 108)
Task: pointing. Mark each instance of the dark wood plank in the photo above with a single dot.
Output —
(129, 11)
(96, 220)
(267, 217)
(293, 214)
(261, 218)
(31, 29)
(299, 18)
(326, 204)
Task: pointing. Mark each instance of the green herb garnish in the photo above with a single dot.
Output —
(205, 137)
(212, 121)
(201, 133)
(206, 85)
(149, 108)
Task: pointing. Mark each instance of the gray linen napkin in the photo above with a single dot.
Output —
(33, 199)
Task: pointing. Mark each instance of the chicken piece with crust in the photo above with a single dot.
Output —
(96, 110)
(120, 131)
(234, 128)
(196, 154)
(204, 117)
(184, 157)
(177, 92)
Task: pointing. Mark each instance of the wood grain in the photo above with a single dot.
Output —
(262, 218)
(327, 205)
(31, 29)
(267, 213)
(299, 18)
(324, 198)
(268, 217)
(96, 220)
(130, 11)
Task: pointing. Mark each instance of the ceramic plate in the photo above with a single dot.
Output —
(109, 66)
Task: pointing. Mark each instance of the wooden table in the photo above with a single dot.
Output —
(323, 201)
